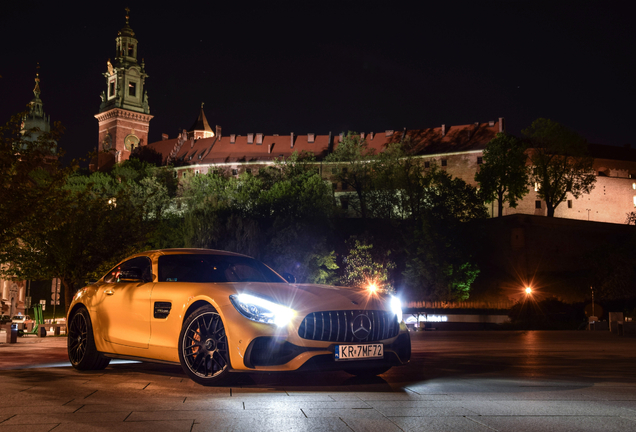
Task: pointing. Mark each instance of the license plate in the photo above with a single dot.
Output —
(359, 352)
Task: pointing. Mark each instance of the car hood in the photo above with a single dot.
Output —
(305, 298)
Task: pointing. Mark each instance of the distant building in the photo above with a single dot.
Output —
(35, 123)
(124, 118)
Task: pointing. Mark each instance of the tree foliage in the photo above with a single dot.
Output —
(282, 216)
(353, 158)
(364, 266)
(503, 176)
(561, 163)
(440, 264)
(31, 179)
(96, 221)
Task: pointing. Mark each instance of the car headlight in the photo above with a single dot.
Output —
(261, 310)
(396, 307)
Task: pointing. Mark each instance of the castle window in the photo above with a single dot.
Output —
(175, 174)
(427, 164)
(344, 203)
(248, 170)
(131, 50)
(480, 160)
(569, 203)
(537, 204)
(444, 162)
(111, 89)
(132, 89)
(633, 185)
(234, 171)
(184, 174)
(635, 201)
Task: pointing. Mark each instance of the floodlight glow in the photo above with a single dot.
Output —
(528, 290)
(372, 287)
(396, 307)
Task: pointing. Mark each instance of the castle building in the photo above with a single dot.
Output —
(124, 118)
(457, 150)
(124, 115)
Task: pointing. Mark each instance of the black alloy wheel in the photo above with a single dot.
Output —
(81, 343)
(203, 349)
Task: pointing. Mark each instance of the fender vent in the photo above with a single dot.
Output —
(162, 309)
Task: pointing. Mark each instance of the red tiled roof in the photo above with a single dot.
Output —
(420, 142)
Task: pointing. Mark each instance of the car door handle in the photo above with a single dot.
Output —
(109, 292)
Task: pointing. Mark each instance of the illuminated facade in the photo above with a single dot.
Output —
(124, 115)
(457, 150)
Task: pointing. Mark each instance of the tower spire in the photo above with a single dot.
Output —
(36, 90)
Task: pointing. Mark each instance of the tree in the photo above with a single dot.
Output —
(439, 246)
(353, 157)
(31, 180)
(97, 221)
(503, 176)
(281, 216)
(362, 268)
(561, 163)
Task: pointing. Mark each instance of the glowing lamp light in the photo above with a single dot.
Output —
(528, 290)
(372, 287)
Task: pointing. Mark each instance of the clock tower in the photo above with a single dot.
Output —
(124, 116)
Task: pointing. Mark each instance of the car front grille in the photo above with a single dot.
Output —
(337, 326)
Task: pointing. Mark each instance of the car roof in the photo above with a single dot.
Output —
(184, 251)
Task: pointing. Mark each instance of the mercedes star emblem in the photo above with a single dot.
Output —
(361, 326)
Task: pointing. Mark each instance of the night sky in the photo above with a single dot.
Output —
(281, 67)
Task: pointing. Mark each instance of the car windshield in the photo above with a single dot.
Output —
(214, 268)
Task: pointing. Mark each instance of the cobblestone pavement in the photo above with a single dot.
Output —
(456, 381)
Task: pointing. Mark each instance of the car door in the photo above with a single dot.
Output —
(123, 306)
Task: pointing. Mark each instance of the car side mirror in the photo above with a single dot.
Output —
(289, 277)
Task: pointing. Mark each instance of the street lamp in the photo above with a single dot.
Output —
(528, 291)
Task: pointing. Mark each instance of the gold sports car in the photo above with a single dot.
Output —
(218, 312)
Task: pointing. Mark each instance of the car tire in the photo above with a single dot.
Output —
(368, 372)
(203, 347)
(81, 343)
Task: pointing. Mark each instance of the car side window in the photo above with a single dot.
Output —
(140, 265)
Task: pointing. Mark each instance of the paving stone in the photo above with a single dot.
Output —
(303, 404)
(273, 425)
(31, 428)
(558, 423)
(207, 416)
(443, 424)
(343, 413)
(149, 426)
(425, 412)
(25, 419)
(371, 425)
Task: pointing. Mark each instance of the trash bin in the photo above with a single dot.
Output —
(13, 337)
